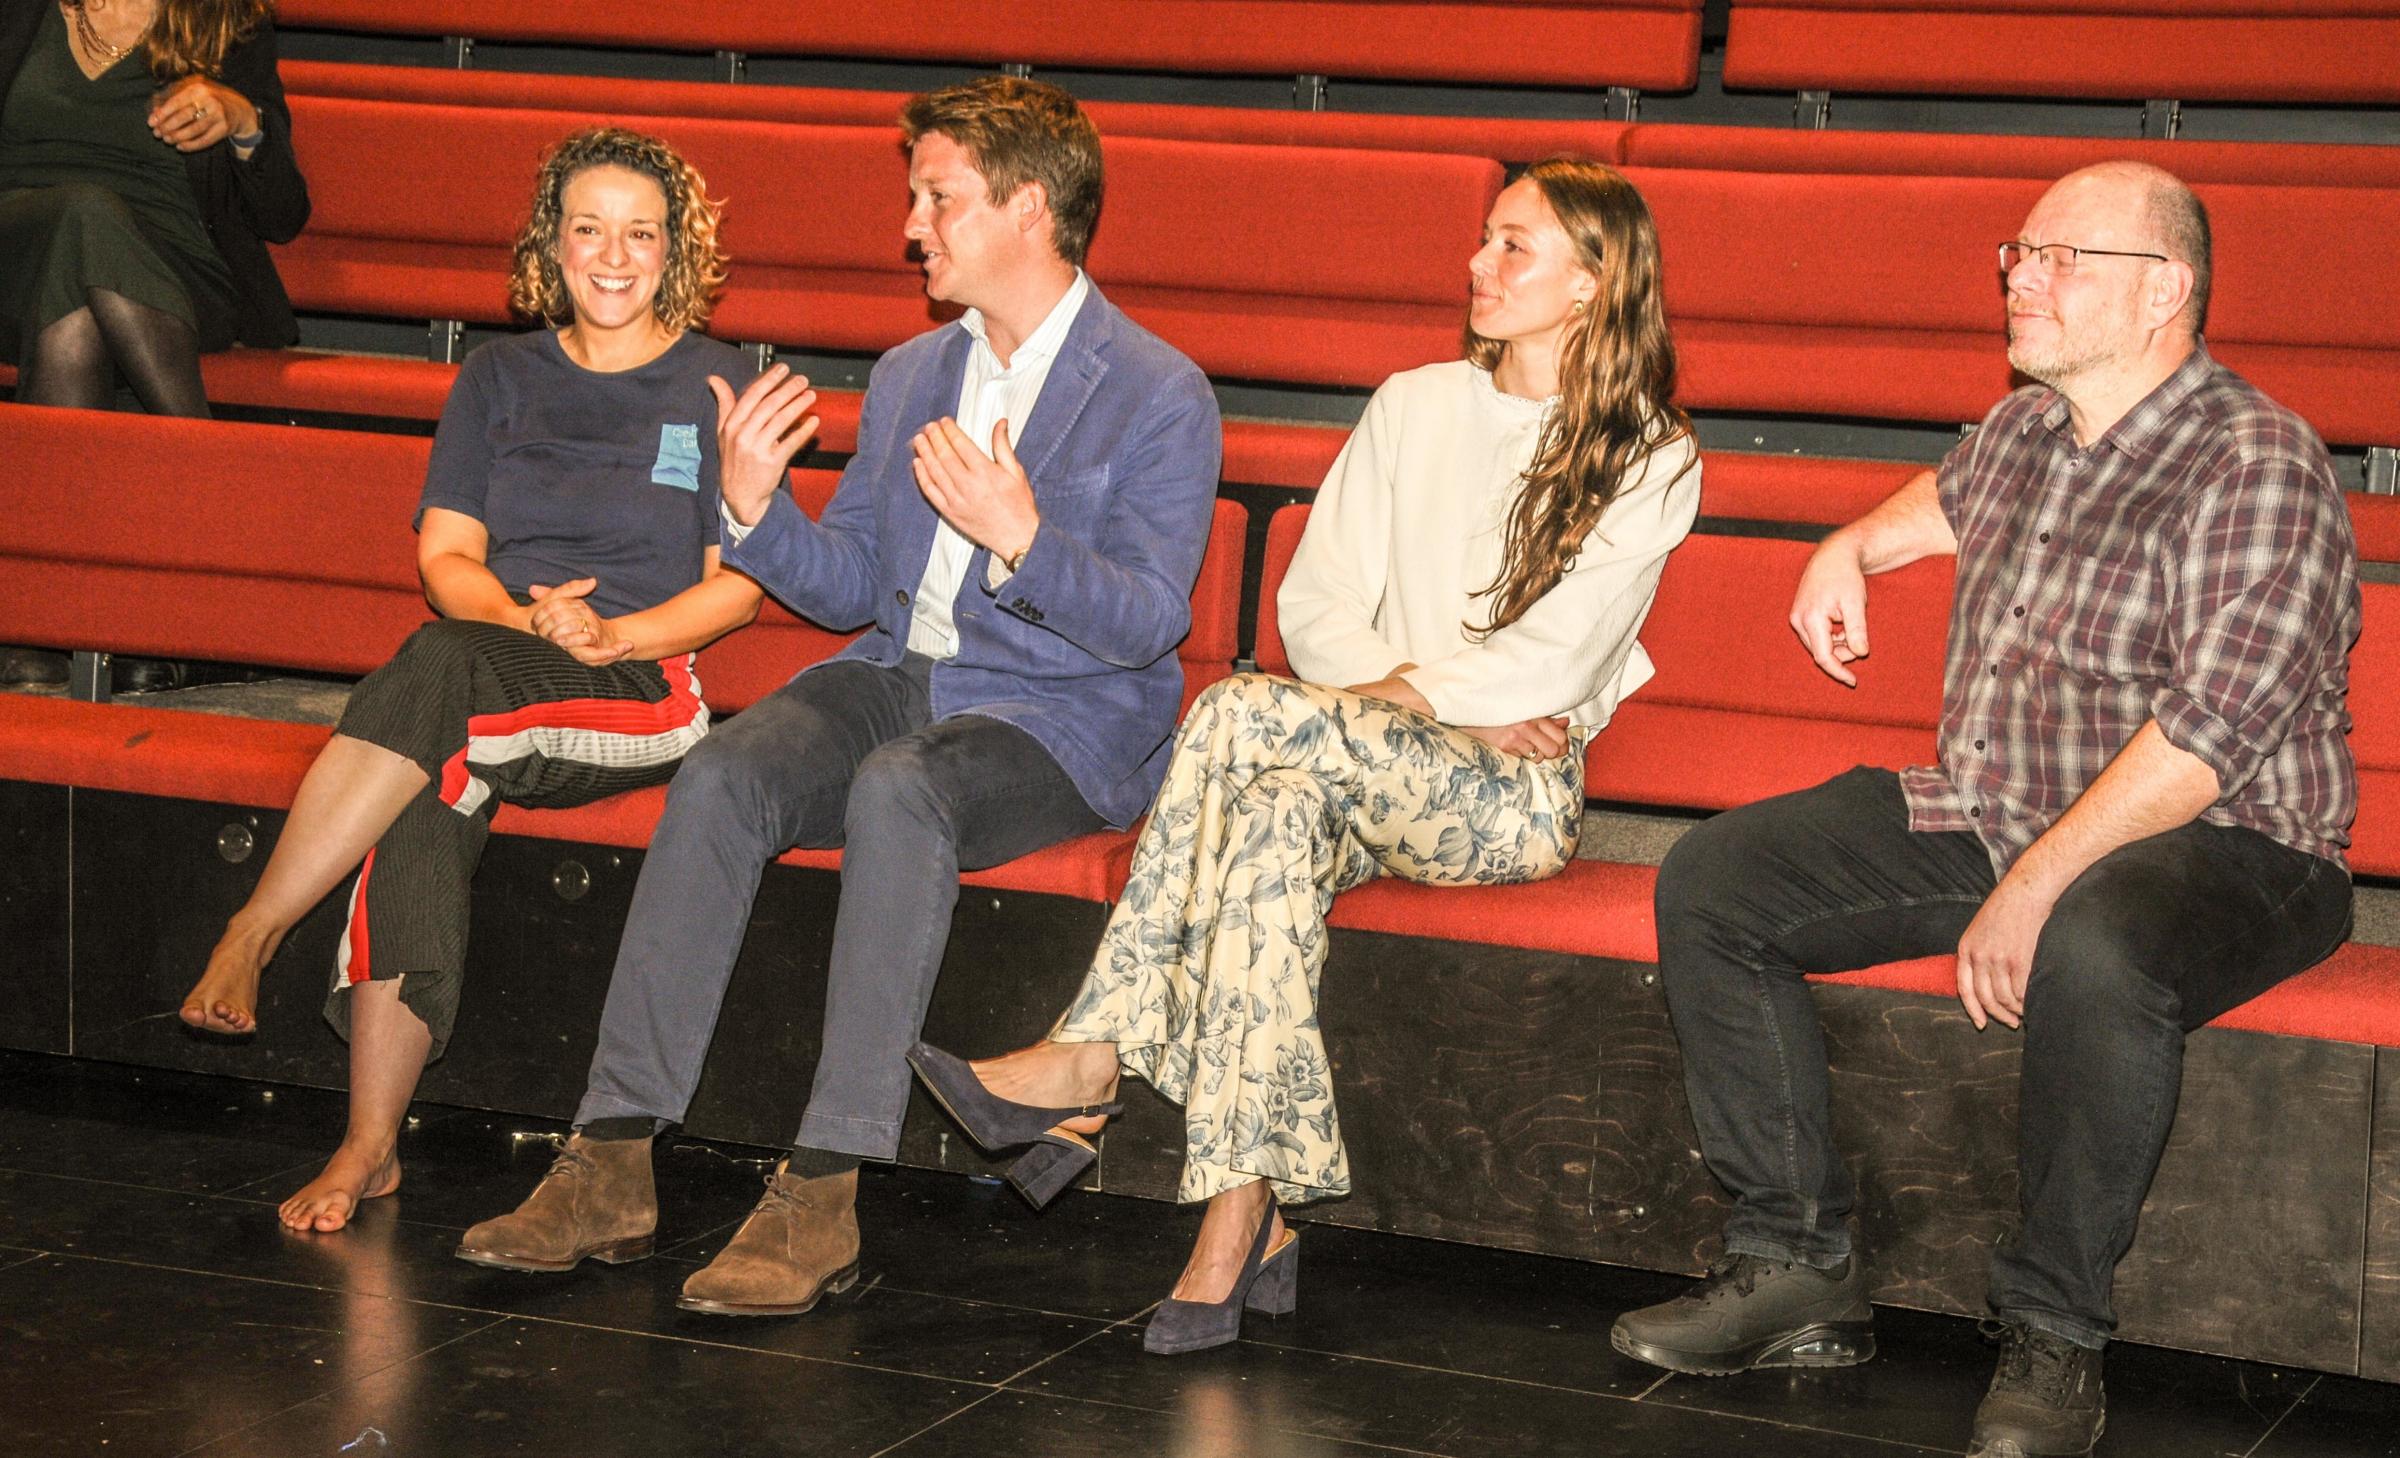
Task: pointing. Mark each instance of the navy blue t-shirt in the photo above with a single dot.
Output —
(576, 473)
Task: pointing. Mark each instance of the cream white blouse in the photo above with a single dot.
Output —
(1413, 520)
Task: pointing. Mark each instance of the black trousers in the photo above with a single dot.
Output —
(492, 715)
(2152, 941)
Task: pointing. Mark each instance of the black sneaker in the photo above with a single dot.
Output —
(2044, 1400)
(1750, 1312)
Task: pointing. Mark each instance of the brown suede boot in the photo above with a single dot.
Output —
(800, 1244)
(598, 1200)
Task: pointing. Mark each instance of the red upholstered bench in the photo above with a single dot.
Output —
(1738, 713)
(1652, 44)
(2190, 50)
(241, 554)
(1273, 263)
(1955, 154)
(1879, 296)
(1506, 139)
(1748, 486)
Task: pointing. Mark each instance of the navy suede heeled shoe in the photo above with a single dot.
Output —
(1269, 1285)
(1056, 1156)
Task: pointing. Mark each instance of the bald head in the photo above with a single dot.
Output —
(2161, 214)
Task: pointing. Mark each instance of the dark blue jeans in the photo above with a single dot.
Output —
(847, 755)
(2152, 941)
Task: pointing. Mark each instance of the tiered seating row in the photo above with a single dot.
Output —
(2320, 51)
(1506, 139)
(1796, 284)
(2329, 51)
(1651, 44)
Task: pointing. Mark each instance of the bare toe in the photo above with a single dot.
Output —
(327, 1202)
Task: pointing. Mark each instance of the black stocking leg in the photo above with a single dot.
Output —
(158, 353)
(68, 365)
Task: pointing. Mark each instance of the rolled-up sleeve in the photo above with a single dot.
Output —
(2257, 589)
(1571, 647)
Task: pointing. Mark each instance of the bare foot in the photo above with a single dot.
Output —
(1224, 1244)
(225, 999)
(325, 1202)
(1055, 1075)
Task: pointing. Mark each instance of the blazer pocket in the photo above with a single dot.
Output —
(1075, 502)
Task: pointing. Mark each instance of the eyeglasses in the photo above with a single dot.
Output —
(2061, 259)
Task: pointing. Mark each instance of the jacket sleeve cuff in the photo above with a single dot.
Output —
(758, 541)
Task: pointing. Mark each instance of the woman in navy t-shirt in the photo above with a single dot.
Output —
(568, 538)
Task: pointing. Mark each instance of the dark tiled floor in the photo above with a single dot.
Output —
(150, 1305)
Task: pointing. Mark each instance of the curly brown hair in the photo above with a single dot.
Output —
(695, 262)
(1616, 379)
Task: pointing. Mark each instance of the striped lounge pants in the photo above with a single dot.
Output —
(490, 714)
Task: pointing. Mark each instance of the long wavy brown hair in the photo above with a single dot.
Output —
(695, 263)
(191, 37)
(1616, 374)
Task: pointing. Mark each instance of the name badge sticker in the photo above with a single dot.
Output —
(678, 463)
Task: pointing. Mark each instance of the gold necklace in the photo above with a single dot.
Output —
(90, 36)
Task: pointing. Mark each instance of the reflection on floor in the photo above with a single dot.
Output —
(150, 1305)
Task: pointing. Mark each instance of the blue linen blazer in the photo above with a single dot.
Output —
(1077, 647)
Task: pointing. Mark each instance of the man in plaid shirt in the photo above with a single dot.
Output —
(2137, 822)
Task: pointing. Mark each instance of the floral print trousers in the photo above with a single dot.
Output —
(1280, 796)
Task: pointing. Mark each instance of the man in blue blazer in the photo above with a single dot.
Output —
(1021, 526)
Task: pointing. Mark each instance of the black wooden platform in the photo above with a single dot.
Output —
(1499, 1097)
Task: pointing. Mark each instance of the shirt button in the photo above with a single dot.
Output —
(1978, 746)
(2045, 536)
(2019, 611)
(1975, 812)
(900, 598)
(1995, 670)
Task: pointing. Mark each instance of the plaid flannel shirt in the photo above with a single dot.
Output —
(2193, 566)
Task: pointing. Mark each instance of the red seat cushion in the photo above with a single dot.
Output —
(1508, 139)
(1603, 909)
(1953, 154)
(2215, 50)
(1653, 44)
(2351, 997)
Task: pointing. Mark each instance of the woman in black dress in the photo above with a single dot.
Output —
(145, 162)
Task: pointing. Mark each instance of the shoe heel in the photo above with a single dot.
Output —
(1844, 1345)
(1049, 1167)
(1276, 1289)
(626, 1251)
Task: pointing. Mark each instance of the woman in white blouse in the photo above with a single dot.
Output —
(1462, 613)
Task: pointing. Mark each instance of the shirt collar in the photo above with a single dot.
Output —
(1048, 337)
(2141, 427)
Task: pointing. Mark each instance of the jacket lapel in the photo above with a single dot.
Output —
(1074, 378)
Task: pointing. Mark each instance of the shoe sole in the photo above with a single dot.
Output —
(1828, 1344)
(615, 1253)
(2011, 1448)
(835, 1284)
